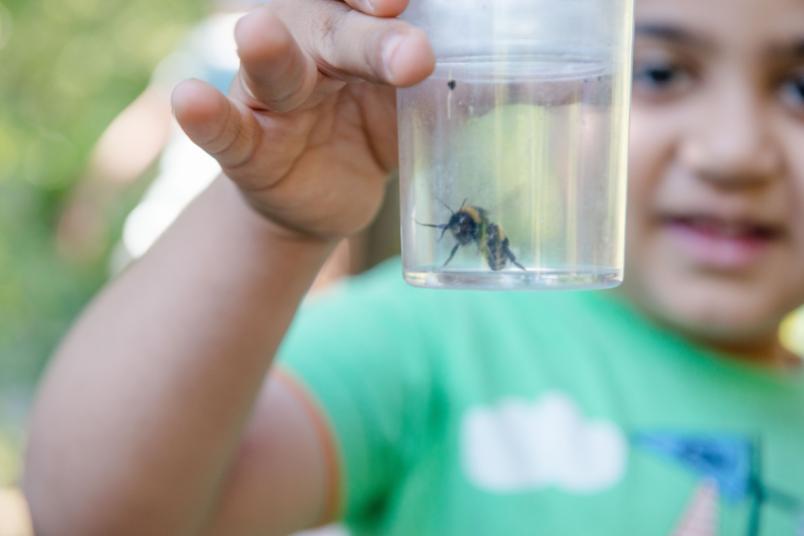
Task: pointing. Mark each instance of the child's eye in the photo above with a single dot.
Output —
(793, 92)
(656, 75)
(660, 78)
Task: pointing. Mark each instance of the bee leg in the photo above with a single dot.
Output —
(452, 254)
(513, 259)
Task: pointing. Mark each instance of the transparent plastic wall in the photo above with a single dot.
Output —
(513, 153)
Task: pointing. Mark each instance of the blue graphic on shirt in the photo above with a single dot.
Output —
(732, 462)
(726, 460)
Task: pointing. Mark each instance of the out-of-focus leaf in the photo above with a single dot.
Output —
(68, 67)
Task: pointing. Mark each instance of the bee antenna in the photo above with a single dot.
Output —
(446, 206)
(463, 204)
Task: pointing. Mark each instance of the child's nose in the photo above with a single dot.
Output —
(732, 142)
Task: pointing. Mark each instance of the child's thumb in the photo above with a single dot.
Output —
(215, 123)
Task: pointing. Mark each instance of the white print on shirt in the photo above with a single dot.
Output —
(520, 445)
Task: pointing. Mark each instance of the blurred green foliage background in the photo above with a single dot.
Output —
(67, 68)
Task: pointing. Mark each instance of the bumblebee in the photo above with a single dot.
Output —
(472, 224)
(495, 247)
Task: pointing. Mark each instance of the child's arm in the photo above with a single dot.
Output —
(136, 424)
(151, 419)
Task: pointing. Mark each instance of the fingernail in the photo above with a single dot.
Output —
(368, 5)
(389, 49)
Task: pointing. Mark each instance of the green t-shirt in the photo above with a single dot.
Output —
(556, 413)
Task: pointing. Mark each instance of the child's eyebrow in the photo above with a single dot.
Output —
(786, 50)
(673, 34)
(794, 48)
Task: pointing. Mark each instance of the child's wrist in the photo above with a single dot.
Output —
(261, 227)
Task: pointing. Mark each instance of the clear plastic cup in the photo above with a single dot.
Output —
(513, 153)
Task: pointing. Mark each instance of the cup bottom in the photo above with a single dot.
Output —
(595, 279)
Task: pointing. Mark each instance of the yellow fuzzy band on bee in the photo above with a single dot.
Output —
(473, 213)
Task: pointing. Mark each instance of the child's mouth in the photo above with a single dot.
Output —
(721, 243)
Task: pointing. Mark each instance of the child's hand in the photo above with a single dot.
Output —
(308, 132)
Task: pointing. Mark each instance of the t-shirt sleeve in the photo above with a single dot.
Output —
(361, 354)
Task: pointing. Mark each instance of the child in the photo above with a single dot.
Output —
(667, 407)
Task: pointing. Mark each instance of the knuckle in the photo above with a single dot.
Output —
(287, 95)
(246, 91)
(238, 147)
(373, 51)
(222, 140)
(329, 29)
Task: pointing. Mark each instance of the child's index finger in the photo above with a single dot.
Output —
(274, 72)
(350, 45)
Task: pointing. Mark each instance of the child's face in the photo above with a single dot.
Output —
(716, 221)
